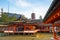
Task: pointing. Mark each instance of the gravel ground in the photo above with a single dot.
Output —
(39, 36)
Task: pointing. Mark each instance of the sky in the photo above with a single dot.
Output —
(26, 7)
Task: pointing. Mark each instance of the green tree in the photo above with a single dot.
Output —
(12, 18)
(6, 18)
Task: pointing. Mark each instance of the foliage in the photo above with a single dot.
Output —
(6, 18)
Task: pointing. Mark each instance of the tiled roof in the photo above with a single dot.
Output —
(51, 8)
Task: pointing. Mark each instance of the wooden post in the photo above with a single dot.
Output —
(14, 28)
(44, 29)
(8, 30)
(24, 27)
(48, 28)
(54, 33)
(30, 27)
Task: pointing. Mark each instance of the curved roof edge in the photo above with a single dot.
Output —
(53, 4)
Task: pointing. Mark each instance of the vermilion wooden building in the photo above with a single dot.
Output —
(20, 27)
(53, 17)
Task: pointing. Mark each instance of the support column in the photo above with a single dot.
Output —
(54, 34)
(8, 30)
(48, 28)
(32, 27)
(14, 28)
(24, 27)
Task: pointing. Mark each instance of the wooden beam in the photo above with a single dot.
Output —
(55, 14)
(53, 17)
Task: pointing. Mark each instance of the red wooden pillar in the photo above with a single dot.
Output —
(8, 29)
(48, 28)
(14, 28)
(44, 29)
(31, 27)
(54, 33)
(24, 27)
